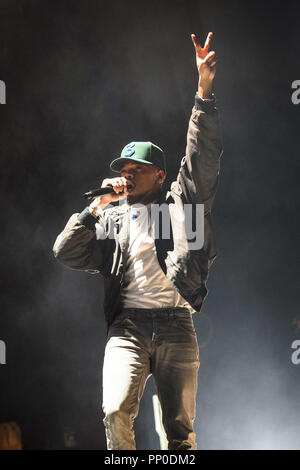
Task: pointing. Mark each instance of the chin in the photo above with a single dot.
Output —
(134, 198)
(131, 198)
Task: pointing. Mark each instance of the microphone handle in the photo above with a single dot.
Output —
(97, 192)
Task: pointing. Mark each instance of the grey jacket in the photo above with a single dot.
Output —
(77, 246)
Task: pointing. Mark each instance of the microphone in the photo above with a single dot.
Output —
(97, 192)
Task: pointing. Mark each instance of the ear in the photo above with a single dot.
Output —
(161, 176)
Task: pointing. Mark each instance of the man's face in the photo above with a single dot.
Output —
(143, 181)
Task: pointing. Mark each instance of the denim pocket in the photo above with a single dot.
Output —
(185, 323)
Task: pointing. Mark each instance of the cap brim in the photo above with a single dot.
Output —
(117, 164)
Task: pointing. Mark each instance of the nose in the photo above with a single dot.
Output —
(127, 173)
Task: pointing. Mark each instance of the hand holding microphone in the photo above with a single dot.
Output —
(112, 190)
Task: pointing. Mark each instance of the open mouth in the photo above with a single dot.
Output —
(129, 186)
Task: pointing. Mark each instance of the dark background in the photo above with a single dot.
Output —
(83, 79)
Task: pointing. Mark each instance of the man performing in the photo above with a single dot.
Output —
(153, 283)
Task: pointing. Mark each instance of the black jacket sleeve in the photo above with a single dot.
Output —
(199, 171)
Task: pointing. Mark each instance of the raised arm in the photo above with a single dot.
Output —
(199, 171)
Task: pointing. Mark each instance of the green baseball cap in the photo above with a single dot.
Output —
(140, 152)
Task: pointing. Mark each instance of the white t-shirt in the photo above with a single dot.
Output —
(146, 284)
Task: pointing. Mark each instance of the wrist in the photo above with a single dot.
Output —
(97, 205)
(205, 89)
(94, 211)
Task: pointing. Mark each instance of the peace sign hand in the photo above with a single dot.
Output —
(206, 64)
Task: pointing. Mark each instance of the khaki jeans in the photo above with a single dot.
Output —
(142, 342)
